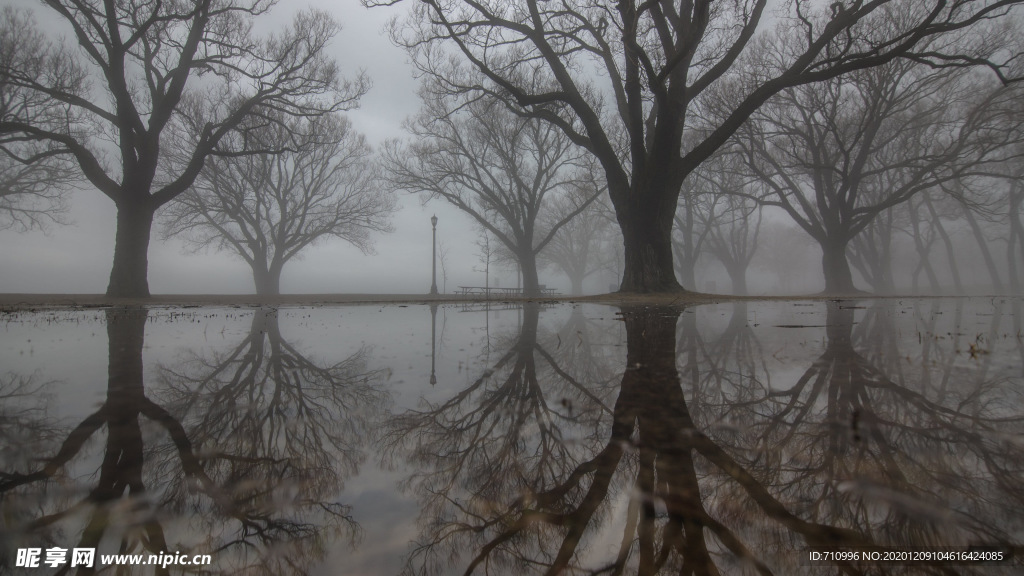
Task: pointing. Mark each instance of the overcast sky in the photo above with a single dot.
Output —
(77, 258)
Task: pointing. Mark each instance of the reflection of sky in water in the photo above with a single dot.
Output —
(960, 343)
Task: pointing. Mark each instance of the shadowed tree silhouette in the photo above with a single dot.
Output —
(913, 460)
(642, 485)
(288, 415)
(510, 434)
(630, 81)
(134, 74)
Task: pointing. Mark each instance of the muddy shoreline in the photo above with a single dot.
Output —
(19, 302)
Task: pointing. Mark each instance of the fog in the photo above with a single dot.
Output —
(952, 224)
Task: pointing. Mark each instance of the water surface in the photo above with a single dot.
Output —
(729, 438)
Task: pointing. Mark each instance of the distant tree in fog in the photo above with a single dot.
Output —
(34, 176)
(734, 226)
(688, 236)
(139, 69)
(503, 170)
(269, 207)
(33, 195)
(1015, 236)
(785, 253)
(715, 218)
(835, 155)
(485, 254)
(442, 264)
(586, 244)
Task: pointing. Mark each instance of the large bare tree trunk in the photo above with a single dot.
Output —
(267, 279)
(738, 277)
(836, 267)
(647, 235)
(528, 265)
(947, 242)
(1016, 236)
(128, 276)
(577, 284)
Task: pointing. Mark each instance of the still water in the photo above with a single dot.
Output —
(733, 438)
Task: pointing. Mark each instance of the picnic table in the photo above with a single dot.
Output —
(495, 290)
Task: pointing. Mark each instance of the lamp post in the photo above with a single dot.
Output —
(433, 273)
(433, 342)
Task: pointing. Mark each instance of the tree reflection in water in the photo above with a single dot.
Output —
(261, 440)
(645, 479)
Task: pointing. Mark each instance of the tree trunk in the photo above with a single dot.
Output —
(647, 237)
(687, 276)
(129, 275)
(738, 277)
(986, 254)
(686, 250)
(947, 242)
(1016, 235)
(267, 279)
(836, 267)
(577, 284)
(528, 266)
(923, 263)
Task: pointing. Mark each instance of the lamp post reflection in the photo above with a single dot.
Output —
(433, 343)
(695, 465)
(433, 270)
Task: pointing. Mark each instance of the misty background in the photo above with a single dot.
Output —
(75, 258)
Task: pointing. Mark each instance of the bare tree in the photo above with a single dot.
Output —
(1015, 237)
(586, 244)
(983, 243)
(34, 176)
(785, 253)
(622, 79)
(871, 252)
(717, 220)
(734, 226)
(834, 155)
(139, 68)
(689, 235)
(485, 254)
(442, 262)
(267, 207)
(32, 195)
(500, 169)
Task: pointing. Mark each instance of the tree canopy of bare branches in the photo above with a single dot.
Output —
(623, 80)
(586, 244)
(142, 67)
(503, 170)
(34, 177)
(268, 207)
(32, 196)
(834, 155)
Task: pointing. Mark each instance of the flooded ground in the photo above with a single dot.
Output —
(885, 436)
